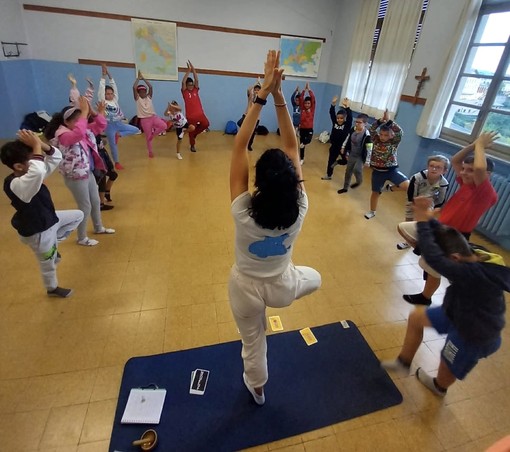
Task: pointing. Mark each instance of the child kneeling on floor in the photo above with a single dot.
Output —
(473, 310)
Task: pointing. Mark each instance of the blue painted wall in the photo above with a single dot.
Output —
(18, 95)
(31, 85)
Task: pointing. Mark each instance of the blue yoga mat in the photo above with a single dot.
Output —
(309, 387)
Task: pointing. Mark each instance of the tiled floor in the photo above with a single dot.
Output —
(160, 284)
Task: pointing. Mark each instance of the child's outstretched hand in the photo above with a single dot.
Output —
(71, 78)
(486, 138)
(386, 116)
(90, 82)
(423, 207)
(83, 105)
(140, 75)
(101, 107)
(334, 100)
(270, 70)
(346, 102)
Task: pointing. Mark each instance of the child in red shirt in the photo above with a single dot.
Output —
(307, 103)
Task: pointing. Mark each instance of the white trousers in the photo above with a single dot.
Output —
(248, 300)
(44, 244)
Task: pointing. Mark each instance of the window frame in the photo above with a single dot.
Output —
(381, 15)
(498, 150)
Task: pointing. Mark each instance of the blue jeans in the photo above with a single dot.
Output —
(123, 129)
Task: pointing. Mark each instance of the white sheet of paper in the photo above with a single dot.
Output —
(144, 406)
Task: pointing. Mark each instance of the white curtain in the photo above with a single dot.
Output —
(358, 68)
(431, 120)
(392, 57)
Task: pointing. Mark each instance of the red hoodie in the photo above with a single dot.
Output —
(307, 115)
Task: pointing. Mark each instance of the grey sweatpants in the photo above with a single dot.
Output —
(354, 165)
(44, 244)
(86, 195)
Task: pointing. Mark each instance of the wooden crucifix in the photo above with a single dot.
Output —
(421, 80)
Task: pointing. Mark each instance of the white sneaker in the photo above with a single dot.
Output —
(87, 242)
(105, 231)
(326, 177)
(259, 399)
(179, 156)
(370, 214)
(302, 162)
(396, 366)
(428, 381)
(181, 135)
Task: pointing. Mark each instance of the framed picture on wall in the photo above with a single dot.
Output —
(300, 57)
(155, 49)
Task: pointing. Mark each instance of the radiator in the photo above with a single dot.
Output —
(495, 224)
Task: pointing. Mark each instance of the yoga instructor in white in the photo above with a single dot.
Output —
(267, 224)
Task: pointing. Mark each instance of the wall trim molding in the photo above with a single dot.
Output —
(180, 69)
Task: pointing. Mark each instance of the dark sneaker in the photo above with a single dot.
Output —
(106, 207)
(355, 185)
(417, 299)
(342, 190)
(60, 292)
(193, 149)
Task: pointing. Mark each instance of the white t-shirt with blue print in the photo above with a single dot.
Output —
(263, 253)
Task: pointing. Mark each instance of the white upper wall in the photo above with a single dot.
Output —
(57, 37)
(434, 44)
(12, 28)
(342, 40)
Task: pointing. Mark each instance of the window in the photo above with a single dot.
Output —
(481, 98)
(383, 7)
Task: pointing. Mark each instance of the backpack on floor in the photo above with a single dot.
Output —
(135, 121)
(324, 136)
(231, 128)
(33, 122)
(262, 130)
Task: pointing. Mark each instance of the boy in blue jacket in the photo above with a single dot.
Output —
(473, 310)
